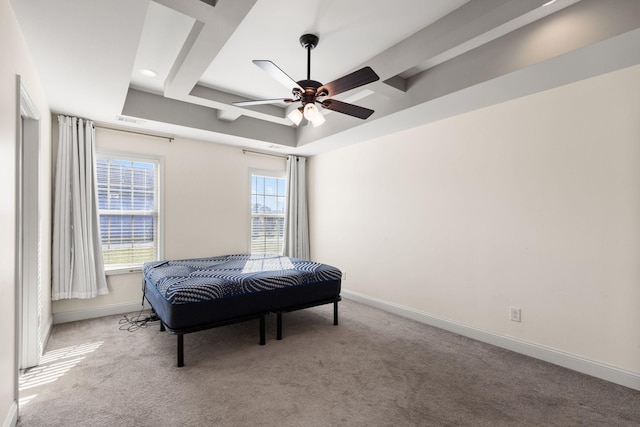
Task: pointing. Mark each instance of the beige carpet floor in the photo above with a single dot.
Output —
(374, 369)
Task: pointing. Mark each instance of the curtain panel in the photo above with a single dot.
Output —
(296, 242)
(77, 264)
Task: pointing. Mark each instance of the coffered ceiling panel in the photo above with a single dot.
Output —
(178, 66)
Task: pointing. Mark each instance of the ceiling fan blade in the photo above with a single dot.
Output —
(274, 71)
(345, 108)
(262, 101)
(358, 78)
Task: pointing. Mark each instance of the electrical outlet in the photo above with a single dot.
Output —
(344, 275)
(515, 314)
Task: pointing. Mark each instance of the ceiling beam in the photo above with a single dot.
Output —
(208, 36)
(469, 22)
(162, 109)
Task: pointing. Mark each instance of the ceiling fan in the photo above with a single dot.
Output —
(309, 92)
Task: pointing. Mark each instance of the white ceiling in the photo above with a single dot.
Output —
(426, 52)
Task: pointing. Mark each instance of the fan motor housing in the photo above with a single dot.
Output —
(310, 91)
(309, 84)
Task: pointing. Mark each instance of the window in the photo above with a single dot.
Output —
(268, 195)
(128, 205)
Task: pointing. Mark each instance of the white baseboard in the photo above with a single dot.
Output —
(12, 417)
(92, 313)
(566, 360)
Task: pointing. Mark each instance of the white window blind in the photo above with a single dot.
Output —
(129, 210)
(268, 196)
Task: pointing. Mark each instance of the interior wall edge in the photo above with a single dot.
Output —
(45, 333)
(566, 360)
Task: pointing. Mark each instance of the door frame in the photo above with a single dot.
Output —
(28, 257)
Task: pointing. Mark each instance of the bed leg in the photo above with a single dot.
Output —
(279, 326)
(162, 326)
(335, 312)
(263, 339)
(180, 350)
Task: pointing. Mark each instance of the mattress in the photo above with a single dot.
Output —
(192, 294)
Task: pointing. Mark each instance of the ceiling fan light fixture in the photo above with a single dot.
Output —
(318, 120)
(314, 115)
(295, 116)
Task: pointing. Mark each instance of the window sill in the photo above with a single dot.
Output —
(123, 270)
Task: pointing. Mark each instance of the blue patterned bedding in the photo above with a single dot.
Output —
(203, 279)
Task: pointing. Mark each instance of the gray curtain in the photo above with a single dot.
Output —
(296, 242)
(78, 267)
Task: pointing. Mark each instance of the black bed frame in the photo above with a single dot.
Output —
(262, 316)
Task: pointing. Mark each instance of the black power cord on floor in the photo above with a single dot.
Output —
(138, 321)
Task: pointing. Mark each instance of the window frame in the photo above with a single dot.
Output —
(159, 194)
(280, 174)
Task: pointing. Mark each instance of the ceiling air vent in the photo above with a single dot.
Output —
(129, 120)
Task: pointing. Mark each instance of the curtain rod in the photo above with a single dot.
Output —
(170, 138)
(245, 151)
